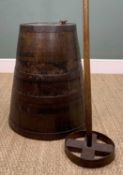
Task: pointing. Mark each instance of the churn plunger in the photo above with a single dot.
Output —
(95, 149)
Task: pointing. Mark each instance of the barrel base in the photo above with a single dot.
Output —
(41, 136)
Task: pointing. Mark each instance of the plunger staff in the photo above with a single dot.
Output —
(86, 56)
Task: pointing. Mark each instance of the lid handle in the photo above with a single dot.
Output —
(63, 22)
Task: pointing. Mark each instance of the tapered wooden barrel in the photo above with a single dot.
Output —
(47, 94)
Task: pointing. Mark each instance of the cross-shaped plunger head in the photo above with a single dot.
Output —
(89, 149)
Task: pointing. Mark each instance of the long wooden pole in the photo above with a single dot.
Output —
(86, 56)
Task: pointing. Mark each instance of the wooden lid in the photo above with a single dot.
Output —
(61, 26)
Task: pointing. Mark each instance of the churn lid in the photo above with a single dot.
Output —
(48, 26)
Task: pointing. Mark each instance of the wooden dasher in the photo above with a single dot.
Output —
(96, 149)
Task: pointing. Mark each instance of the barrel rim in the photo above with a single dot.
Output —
(33, 28)
(46, 24)
(42, 135)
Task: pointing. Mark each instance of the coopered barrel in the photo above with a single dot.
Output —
(47, 93)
